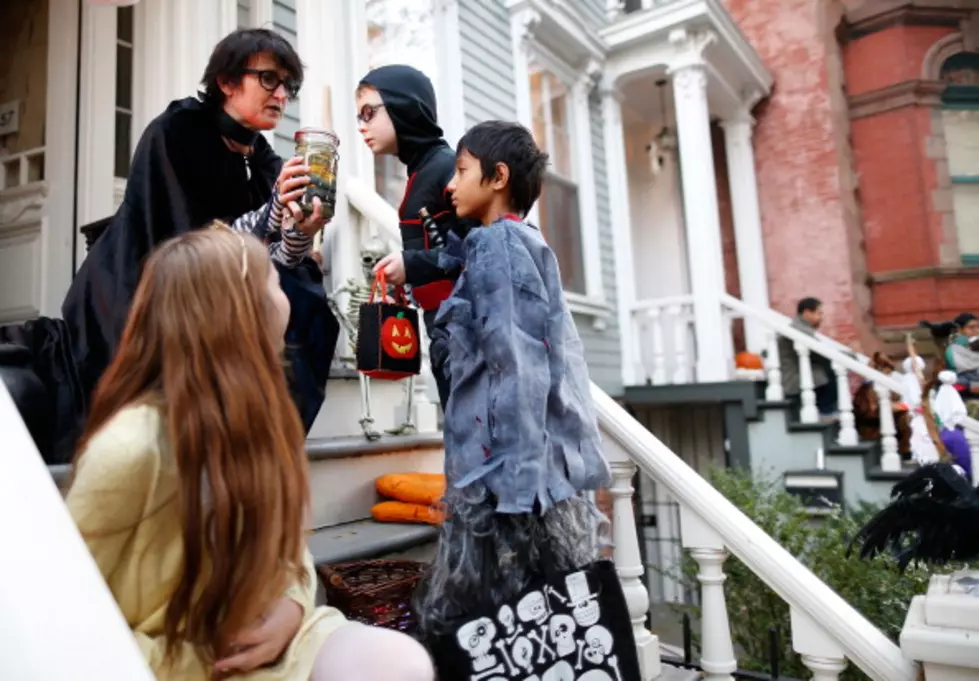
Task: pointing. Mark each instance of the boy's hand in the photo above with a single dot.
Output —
(393, 265)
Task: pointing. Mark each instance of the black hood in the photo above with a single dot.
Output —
(409, 100)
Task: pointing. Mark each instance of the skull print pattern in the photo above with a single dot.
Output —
(549, 636)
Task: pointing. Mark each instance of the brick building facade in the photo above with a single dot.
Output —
(857, 197)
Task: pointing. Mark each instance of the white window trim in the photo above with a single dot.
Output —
(528, 45)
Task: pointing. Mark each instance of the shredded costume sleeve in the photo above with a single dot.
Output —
(510, 312)
(294, 246)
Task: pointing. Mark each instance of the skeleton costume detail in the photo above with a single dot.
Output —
(521, 436)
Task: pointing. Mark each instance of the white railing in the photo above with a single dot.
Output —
(49, 583)
(826, 630)
(665, 353)
(21, 169)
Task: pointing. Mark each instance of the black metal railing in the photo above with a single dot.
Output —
(774, 657)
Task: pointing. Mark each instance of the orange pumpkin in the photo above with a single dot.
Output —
(398, 337)
(748, 360)
(400, 512)
(412, 488)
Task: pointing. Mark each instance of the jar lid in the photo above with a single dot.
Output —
(314, 132)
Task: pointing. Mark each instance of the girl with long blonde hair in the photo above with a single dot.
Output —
(191, 483)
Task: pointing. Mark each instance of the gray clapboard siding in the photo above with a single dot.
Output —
(603, 349)
(591, 12)
(488, 93)
(487, 61)
(244, 13)
(284, 23)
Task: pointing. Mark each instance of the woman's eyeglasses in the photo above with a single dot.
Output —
(270, 80)
(368, 111)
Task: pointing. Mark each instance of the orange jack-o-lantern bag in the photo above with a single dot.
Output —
(388, 343)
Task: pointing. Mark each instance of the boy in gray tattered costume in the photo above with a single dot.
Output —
(521, 438)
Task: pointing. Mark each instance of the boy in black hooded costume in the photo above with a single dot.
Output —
(397, 114)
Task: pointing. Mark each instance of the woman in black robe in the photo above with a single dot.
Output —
(201, 159)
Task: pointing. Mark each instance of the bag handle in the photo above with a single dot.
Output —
(381, 282)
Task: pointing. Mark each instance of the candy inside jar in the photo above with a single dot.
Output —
(318, 148)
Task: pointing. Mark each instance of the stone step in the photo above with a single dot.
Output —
(343, 471)
(367, 539)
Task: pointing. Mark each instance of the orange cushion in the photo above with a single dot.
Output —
(400, 512)
(412, 488)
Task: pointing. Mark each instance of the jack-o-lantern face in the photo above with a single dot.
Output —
(398, 337)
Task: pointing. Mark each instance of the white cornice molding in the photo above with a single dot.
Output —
(558, 18)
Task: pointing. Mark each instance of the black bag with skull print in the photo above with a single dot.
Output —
(564, 627)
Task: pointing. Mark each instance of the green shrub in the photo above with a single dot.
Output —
(873, 587)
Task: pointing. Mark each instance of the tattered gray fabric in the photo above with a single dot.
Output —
(520, 416)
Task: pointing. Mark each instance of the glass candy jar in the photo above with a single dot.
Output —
(319, 151)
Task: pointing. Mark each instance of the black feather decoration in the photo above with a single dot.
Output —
(933, 518)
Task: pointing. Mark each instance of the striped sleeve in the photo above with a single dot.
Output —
(294, 245)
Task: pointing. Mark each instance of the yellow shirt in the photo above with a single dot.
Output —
(124, 500)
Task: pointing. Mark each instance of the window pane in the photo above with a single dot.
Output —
(400, 32)
(537, 109)
(966, 201)
(561, 154)
(561, 225)
(122, 150)
(124, 77)
(124, 24)
(962, 141)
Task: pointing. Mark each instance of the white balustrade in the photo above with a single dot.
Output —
(659, 352)
(18, 170)
(820, 653)
(848, 431)
(826, 631)
(809, 413)
(628, 559)
(890, 459)
(707, 549)
(774, 391)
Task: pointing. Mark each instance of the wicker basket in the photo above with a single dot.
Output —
(376, 592)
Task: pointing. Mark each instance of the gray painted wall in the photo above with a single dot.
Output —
(284, 23)
(488, 93)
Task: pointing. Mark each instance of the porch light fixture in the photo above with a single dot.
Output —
(665, 141)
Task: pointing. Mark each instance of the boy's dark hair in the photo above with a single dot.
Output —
(495, 142)
(808, 305)
(230, 59)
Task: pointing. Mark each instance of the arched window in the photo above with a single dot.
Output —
(960, 116)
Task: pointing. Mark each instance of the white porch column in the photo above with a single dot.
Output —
(618, 187)
(174, 39)
(452, 115)
(96, 118)
(747, 221)
(58, 228)
(703, 224)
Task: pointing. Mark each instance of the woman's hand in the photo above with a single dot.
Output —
(264, 643)
(292, 181)
(308, 225)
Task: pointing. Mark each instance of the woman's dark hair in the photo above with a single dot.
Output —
(512, 144)
(230, 57)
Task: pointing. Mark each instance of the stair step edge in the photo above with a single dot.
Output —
(320, 449)
(366, 539)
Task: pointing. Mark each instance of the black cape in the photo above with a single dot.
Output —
(182, 176)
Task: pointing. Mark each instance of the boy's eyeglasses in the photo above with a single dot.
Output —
(368, 111)
(270, 80)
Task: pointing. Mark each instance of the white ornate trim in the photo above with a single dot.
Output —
(533, 27)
